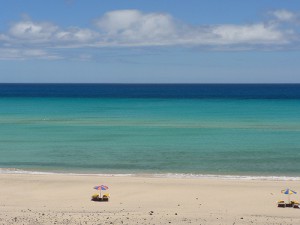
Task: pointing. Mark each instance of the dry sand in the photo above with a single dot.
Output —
(65, 199)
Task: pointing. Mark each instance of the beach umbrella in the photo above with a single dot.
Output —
(288, 192)
(100, 188)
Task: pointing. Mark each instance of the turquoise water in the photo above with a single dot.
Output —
(148, 136)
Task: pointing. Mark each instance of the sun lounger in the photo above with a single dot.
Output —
(289, 205)
(292, 204)
(281, 204)
(106, 197)
(295, 204)
(96, 198)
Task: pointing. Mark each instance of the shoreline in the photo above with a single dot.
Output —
(65, 199)
(156, 175)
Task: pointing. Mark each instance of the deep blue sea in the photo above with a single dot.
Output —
(166, 129)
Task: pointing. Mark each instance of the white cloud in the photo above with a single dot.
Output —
(114, 21)
(132, 27)
(33, 31)
(251, 34)
(284, 15)
(135, 28)
(76, 35)
(28, 31)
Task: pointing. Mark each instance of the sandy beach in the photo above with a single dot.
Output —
(65, 199)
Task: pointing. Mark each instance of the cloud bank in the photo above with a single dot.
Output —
(133, 28)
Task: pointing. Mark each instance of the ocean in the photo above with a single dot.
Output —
(195, 130)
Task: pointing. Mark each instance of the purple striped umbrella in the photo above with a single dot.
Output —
(101, 187)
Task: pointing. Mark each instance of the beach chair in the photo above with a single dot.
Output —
(281, 204)
(295, 204)
(105, 197)
(289, 205)
(95, 197)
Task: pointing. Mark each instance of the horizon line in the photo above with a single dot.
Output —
(125, 83)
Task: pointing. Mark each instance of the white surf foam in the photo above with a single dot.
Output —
(156, 175)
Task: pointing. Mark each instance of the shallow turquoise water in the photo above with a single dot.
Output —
(199, 136)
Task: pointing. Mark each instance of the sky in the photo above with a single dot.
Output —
(143, 41)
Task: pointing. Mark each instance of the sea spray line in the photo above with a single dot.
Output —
(162, 175)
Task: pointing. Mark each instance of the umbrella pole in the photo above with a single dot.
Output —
(289, 198)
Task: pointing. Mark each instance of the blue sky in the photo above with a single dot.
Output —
(143, 41)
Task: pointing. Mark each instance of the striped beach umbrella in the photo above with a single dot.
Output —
(288, 192)
(101, 188)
